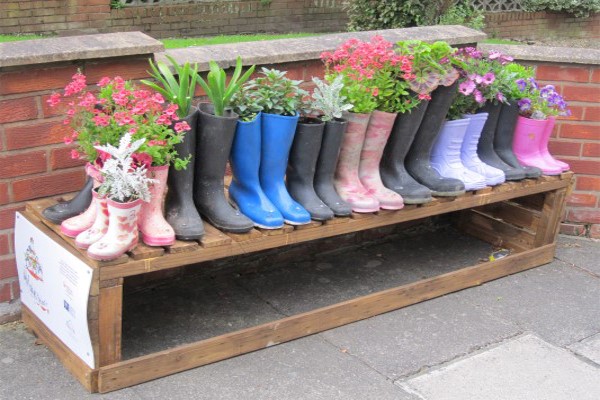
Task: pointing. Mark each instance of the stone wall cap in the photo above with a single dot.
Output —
(310, 48)
(569, 55)
(104, 45)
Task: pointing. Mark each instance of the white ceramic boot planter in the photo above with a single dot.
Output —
(86, 238)
(122, 234)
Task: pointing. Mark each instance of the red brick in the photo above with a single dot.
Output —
(61, 158)
(591, 150)
(581, 93)
(579, 131)
(587, 183)
(55, 111)
(595, 75)
(563, 148)
(576, 114)
(313, 69)
(18, 110)
(4, 198)
(35, 134)
(5, 292)
(127, 69)
(586, 216)
(591, 114)
(562, 73)
(16, 289)
(595, 231)
(33, 80)
(8, 268)
(7, 216)
(586, 167)
(48, 185)
(4, 246)
(22, 164)
(572, 229)
(582, 200)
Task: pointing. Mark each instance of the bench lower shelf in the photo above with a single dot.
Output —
(523, 216)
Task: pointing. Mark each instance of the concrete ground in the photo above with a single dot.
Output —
(533, 335)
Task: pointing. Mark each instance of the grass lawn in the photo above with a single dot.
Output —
(203, 41)
(500, 41)
(14, 38)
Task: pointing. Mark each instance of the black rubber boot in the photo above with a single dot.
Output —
(485, 147)
(507, 121)
(180, 210)
(78, 204)
(213, 145)
(417, 160)
(392, 169)
(326, 163)
(302, 165)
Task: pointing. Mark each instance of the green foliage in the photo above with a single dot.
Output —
(216, 87)
(246, 103)
(577, 8)
(178, 88)
(116, 4)
(328, 99)
(509, 75)
(386, 14)
(276, 93)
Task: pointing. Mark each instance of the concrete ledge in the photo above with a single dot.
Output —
(569, 55)
(310, 48)
(40, 51)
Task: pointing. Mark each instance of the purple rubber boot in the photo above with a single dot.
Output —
(468, 152)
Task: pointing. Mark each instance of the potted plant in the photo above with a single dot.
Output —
(280, 98)
(434, 73)
(535, 125)
(125, 187)
(216, 130)
(245, 190)
(178, 86)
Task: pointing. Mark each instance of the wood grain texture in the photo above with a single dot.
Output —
(495, 231)
(213, 237)
(145, 368)
(513, 213)
(142, 251)
(109, 319)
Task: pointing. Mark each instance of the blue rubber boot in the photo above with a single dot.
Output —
(277, 137)
(245, 190)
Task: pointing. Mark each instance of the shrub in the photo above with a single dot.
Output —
(577, 8)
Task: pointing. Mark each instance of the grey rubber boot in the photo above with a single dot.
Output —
(78, 204)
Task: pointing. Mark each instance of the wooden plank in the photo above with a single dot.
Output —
(494, 231)
(310, 225)
(213, 237)
(142, 251)
(337, 220)
(513, 213)
(87, 376)
(356, 215)
(145, 368)
(298, 236)
(109, 319)
(409, 207)
(253, 234)
(534, 202)
(280, 231)
(551, 215)
(487, 189)
(181, 246)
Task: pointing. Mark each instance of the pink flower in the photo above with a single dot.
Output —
(478, 96)
(104, 81)
(157, 98)
(74, 154)
(489, 78)
(466, 87)
(171, 110)
(156, 143)
(141, 160)
(54, 99)
(76, 85)
(101, 120)
(68, 140)
(164, 119)
(424, 96)
(375, 91)
(181, 127)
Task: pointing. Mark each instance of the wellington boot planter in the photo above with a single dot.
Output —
(78, 204)
(528, 140)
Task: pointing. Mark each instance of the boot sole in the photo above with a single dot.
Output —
(157, 242)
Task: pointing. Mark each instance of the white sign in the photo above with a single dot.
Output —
(55, 286)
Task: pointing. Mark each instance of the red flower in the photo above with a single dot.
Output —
(141, 160)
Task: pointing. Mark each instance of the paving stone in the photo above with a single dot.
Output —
(307, 368)
(588, 348)
(402, 342)
(559, 303)
(569, 249)
(523, 368)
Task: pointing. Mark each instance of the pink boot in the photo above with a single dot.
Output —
(544, 146)
(346, 180)
(526, 145)
(378, 131)
(156, 231)
(90, 236)
(75, 225)
(122, 234)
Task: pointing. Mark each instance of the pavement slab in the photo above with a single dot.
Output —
(523, 368)
(569, 250)
(588, 348)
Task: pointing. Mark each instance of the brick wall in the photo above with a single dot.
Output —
(576, 140)
(540, 25)
(201, 18)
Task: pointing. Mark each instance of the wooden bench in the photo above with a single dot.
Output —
(522, 216)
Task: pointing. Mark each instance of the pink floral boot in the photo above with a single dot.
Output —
(378, 131)
(86, 238)
(346, 180)
(75, 225)
(156, 231)
(122, 234)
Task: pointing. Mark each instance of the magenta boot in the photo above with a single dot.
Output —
(156, 231)
(75, 225)
(90, 236)
(346, 180)
(526, 145)
(544, 146)
(378, 131)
